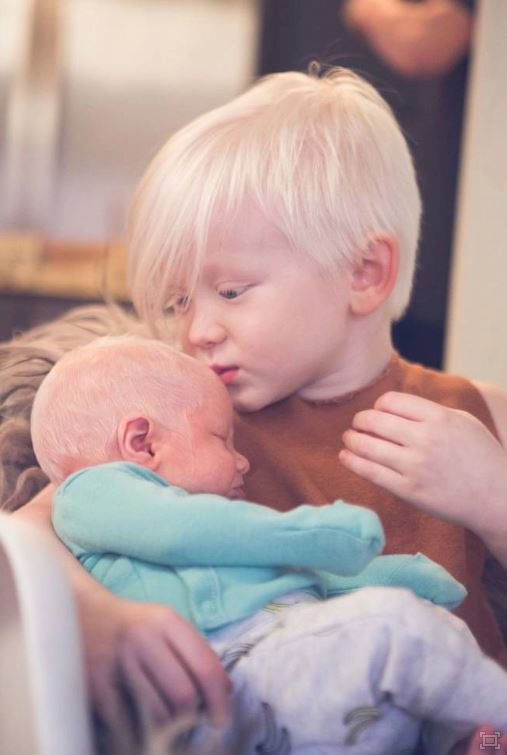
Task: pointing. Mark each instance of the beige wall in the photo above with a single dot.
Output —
(477, 340)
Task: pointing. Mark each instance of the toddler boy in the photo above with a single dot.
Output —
(141, 439)
(280, 231)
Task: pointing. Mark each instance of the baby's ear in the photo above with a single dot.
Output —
(135, 440)
(374, 274)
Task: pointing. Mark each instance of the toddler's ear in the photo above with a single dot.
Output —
(374, 274)
(135, 440)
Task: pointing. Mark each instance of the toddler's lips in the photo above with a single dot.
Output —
(226, 374)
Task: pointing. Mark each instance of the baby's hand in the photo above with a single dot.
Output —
(444, 461)
(148, 650)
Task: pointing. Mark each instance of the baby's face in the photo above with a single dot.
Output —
(267, 321)
(210, 463)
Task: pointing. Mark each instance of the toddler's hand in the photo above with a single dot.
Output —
(444, 461)
(164, 663)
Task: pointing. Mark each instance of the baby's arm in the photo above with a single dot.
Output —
(444, 461)
(420, 574)
(122, 509)
(163, 660)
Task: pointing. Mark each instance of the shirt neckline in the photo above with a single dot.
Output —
(344, 398)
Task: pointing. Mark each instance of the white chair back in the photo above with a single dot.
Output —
(42, 691)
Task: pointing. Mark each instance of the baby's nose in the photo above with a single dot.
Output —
(242, 463)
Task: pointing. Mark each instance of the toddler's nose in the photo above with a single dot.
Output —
(201, 329)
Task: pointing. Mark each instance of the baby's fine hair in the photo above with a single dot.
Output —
(323, 157)
(25, 361)
(79, 406)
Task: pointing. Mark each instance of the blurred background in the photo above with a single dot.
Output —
(90, 89)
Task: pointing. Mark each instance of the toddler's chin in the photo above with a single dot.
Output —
(245, 403)
(247, 399)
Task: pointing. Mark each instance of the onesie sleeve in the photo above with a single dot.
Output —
(125, 509)
(416, 572)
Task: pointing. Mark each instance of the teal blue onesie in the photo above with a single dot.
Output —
(217, 560)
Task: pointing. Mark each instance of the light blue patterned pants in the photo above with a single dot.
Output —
(358, 674)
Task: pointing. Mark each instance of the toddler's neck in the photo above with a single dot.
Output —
(363, 361)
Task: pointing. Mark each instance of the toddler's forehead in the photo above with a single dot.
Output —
(244, 239)
(248, 219)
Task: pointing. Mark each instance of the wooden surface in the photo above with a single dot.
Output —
(29, 265)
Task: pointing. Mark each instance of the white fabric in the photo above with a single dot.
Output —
(358, 674)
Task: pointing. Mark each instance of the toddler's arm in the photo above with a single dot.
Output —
(124, 509)
(163, 660)
(444, 461)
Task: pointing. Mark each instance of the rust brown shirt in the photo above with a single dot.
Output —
(293, 449)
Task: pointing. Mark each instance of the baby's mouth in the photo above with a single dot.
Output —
(237, 493)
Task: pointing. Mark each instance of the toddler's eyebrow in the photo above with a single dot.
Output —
(233, 268)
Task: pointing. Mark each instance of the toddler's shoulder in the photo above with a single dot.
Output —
(496, 401)
(447, 389)
(487, 403)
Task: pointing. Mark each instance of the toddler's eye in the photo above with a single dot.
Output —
(181, 303)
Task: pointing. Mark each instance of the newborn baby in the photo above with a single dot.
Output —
(140, 439)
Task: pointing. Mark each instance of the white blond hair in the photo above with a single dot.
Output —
(80, 404)
(324, 158)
